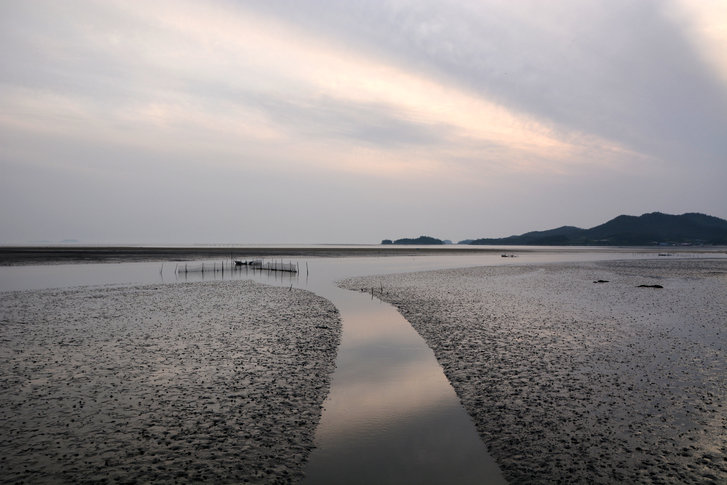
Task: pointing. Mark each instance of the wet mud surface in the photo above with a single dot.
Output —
(33, 255)
(574, 382)
(217, 382)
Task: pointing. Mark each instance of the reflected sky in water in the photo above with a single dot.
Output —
(321, 270)
(391, 415)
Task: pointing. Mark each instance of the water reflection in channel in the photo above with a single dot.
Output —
(391, 415)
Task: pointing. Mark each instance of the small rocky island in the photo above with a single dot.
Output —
(421, 240)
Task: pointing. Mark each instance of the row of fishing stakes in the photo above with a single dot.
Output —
(238, 266)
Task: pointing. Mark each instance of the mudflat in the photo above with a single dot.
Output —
(17, 255)
(573, 380)
(218, 382)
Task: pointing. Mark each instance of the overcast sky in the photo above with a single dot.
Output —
(322, 121)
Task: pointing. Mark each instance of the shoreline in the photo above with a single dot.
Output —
(26, 255)
(33, 255)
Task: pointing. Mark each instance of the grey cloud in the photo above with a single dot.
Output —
(38, 57)
(329, 118)
(619, 69)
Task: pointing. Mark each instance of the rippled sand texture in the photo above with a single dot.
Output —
(214, 382)
(573, 381)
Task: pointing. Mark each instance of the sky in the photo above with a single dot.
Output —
(322, 121)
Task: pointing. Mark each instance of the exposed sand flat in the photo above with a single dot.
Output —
(571, 381)
(205, 382)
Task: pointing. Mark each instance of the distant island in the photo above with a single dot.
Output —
(648, 229)
(421, 240)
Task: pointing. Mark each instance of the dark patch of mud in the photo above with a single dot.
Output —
(205, 382)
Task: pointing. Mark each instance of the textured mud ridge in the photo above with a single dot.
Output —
(205, 382)
(571, 381)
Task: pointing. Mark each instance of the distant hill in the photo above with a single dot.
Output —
(647, 229)
(553, 237)
(421, 240)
